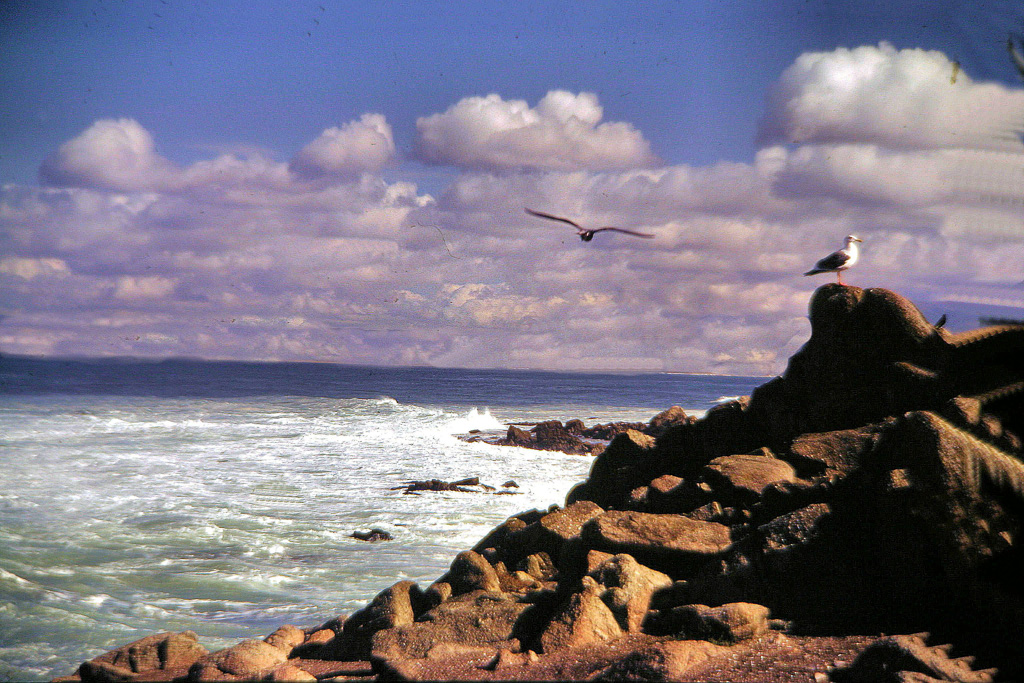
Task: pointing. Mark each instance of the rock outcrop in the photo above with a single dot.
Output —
(876, 487)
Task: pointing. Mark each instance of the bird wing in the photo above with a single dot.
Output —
(554, 218)
(628, 232)
(834, 260)
(1015, 55)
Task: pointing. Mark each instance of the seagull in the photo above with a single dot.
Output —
(586, 235)
(838, 261)
(1015, 56)
(941, 322)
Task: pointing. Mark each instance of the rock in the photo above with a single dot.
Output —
(672, 543)
(510, 484)
(553, 436)
(549, 534)
(288, 673)
(539, 565)
(621, 467)
(741, 479)
(158, 652)
(664, 661)
(94, 671)
(431, 485)
(286, 638)
(665, 419)
(629, 586)
(583, 619)
(609, 431)
(248, 659)
(518, 437)
(896, 659)
(817, 453)
(394, 606)
(475, 619)
(575, 427)
(373, 535)
(470, 572)
(730, 623)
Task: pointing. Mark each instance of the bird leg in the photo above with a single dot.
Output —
(839, 276)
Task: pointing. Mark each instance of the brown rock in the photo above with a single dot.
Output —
(550, 533)
(665, 419)
(583, 619)
(742, 478)
(538, 565)
(288, 673)
(394, 606)
(156, 652)
(470, 572)
(94, 671)
(553, 436)
(518, 437)
(630, 586)
(619, 469)
(247, 659)
(730, 623)
(816, 453)
(475, 619)
(286, 638)
(666, 661)
(673, 543)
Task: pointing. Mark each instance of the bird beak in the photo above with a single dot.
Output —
(857, 239)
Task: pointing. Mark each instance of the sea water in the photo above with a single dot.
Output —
(138, 497)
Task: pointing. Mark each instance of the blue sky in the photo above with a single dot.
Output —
(182, 165)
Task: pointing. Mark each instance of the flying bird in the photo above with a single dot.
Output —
(838, 261)
(1015, 55)
(585, 234)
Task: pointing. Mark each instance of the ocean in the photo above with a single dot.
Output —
(221, 497)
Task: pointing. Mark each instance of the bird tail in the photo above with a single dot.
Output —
(814, 271)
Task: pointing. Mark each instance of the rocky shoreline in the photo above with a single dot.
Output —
(875, 488)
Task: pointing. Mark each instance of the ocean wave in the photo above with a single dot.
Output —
(472, 420)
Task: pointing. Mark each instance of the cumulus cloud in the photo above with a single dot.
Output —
(366, 145)
(112, 154)
(242, 256)
(897, 98)
(563, 132)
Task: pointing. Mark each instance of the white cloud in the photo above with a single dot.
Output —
(32, 268)
(246, 257)
(111, 154)
(897, 98)
(144, 287)
(563, 132)
(362, 146)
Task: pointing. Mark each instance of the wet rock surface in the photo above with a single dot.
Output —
(875, 488)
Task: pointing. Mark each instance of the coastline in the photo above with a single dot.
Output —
(785, 534)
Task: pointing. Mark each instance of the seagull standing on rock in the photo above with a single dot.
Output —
(585, 235)
(838, 261)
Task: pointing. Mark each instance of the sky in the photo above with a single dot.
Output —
(346, 182)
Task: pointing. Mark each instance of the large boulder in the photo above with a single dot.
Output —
(158, 652)
(671, 543)
(246, 660)
(730, 623)
(670, 660)
(549, 534)
(395, 606)
(582, 620)
(473, 620)
(628, 588)
(741, 479)
(626, 463)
